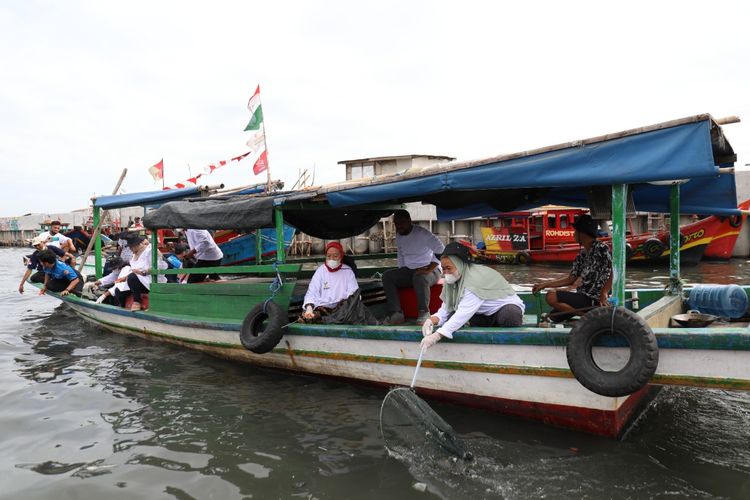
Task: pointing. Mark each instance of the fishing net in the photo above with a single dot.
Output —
(410, 428)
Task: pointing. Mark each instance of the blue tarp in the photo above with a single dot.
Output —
(678, 152)
(147, 198)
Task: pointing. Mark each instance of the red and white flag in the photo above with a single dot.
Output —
(157, 171)
(261, 164)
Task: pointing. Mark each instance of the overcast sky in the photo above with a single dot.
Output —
(90, 88)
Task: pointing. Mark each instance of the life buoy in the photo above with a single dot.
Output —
(523, 258)
(735, 221)
(653, 248)
(256, 336)
(618, 322)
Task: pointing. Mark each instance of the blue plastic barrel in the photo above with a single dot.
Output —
(728, 301)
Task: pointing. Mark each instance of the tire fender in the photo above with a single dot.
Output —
(644, 352)
(628, 251)
(523, 258)
(653, 248)
(258, 337)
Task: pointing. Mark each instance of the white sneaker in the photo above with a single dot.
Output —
(423, 316)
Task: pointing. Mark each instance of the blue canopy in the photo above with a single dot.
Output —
(144, 199)
(684, 149)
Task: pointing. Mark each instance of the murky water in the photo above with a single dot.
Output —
(90, 414)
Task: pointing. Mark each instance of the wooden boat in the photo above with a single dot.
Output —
(546, 236)
(241, 248)
(522, 371)
(725, 236)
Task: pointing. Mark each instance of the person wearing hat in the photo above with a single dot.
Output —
(473, 294)
(116, 280)
(593, 265)
(40, 244)
(332, 283)
(418, 267)
(139, 279)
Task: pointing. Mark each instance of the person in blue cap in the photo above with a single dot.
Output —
(593, 265)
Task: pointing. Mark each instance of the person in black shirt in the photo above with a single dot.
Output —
(40, 244)
(593, 265)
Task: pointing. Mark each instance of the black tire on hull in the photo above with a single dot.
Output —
(255, 336)
(653, 248)
(644, 352)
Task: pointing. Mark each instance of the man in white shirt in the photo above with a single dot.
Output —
(56, 239)
(418, 267)
(205, 250)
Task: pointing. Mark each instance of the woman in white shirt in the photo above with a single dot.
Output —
(473, 294)
(332, 282)
(139, 280)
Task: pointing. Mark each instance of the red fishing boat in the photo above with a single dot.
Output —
(546, 235)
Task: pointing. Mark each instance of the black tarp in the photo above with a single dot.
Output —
(245, 213)
(334, 223)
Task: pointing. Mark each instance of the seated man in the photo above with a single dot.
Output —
(418, 267)
(40, 243)
(333, 294)
(59, 240)
(593, 265)
(58, 276)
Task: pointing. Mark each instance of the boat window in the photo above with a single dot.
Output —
(551, 222)
(563, 221)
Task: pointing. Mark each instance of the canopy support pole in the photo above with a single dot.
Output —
(675, 284)
(258, 246)
(154, 254)
(97, 245)
(279, 217)
(619, 256)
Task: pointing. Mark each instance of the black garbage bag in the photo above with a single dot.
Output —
(350, 311)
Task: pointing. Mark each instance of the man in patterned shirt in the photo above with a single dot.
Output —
(593, 266)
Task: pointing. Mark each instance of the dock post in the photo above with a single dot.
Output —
(619, 256)
(97, 244)
(279, 218)
(675, 285)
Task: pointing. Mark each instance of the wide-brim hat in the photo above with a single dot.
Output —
(135, 239)
(585, 224)
(42, 238)
(458, 250)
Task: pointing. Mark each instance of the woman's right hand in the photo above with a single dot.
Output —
(538, 287)
(308, 314)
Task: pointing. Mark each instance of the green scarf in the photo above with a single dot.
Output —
(483, 281)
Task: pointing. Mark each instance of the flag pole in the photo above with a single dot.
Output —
(265, 145)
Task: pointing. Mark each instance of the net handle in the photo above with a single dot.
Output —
(419, 363)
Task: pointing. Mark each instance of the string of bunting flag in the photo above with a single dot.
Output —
(256, 143)
(208, 170)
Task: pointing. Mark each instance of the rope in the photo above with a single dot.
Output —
(274, 287)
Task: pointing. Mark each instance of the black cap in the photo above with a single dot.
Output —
(115, 262)
(586, 225)
(458, 250)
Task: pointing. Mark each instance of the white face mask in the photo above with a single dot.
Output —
(452, 278)
(333, 264)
